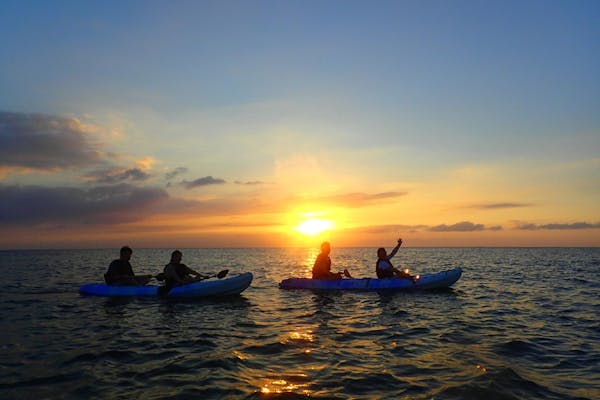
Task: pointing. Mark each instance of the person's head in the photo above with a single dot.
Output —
(125, 253)
(325, 248)
(176, 256)
(381, 253)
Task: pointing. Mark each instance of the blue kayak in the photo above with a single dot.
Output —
(208, 288)
(437, 280)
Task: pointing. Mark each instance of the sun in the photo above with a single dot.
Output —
(313, 226)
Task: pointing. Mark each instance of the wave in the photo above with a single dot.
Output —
(505, 384)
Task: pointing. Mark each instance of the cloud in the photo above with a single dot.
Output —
(145, 163)
(360, 199)
(99, 205)
(205, 181)
(117, 175)
(492, 206)
(177, 171)
(250, 183)
(464, 226)
(45, 142)
(389, 229)
(556, 226)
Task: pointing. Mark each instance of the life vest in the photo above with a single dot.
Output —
(180, 270)
(384, 273)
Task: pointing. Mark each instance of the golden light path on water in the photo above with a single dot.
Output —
(296, 382)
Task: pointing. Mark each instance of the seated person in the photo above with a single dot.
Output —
(177, 273)
(322, 267)
(384, 267)
(120, 272)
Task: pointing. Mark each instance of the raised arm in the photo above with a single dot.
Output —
(395, 250)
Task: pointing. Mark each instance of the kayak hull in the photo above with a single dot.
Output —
(438, 280)
(209, 288)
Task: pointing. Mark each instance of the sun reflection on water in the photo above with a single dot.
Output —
(309, 261)
(278, 386)
(301, 336)
(281, 385)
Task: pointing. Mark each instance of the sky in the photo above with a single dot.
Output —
(286, 123)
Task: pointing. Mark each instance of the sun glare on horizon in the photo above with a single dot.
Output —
(313, 226)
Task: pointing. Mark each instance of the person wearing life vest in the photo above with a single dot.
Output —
(177, 273)
(385, 269)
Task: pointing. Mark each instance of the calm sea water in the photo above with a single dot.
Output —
(520, 324)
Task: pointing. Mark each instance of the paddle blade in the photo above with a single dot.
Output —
(222, 274)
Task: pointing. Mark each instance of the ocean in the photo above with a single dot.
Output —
(521, 323)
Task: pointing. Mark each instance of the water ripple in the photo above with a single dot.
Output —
(492, 336)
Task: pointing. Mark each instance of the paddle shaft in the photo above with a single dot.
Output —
(221, 274)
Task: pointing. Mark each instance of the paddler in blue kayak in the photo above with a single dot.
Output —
(120, 272)
(322, 267)
(177, 273)
(385, 269)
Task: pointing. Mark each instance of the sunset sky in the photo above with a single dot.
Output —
(285, 123)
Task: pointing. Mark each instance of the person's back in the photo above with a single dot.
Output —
(322, 267)
(120, 271)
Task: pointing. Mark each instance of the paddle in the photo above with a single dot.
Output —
(220, 275)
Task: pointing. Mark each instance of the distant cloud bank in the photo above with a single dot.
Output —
(555, 226)
(45, 142)
(103, 204)
(464, 226)
(467, 226)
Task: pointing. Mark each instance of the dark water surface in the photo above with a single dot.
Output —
(520, 324)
